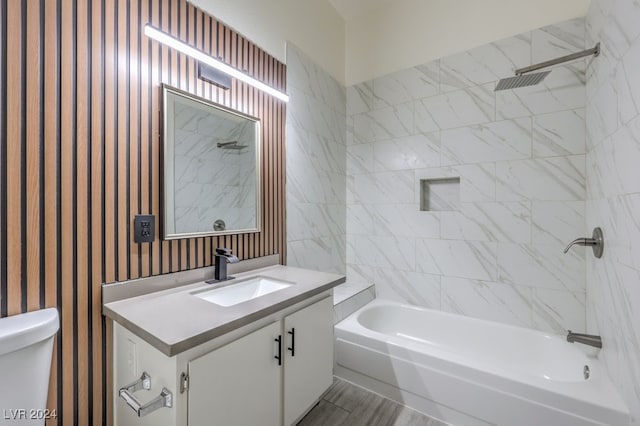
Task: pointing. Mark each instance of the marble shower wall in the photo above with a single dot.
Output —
(613, 190)
(316, 166)
(520, 155)
(213, 183)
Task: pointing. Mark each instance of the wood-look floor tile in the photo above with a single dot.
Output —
(325, 414)
(409, 417)
(345, 404)
(345, 395)
(374, 411)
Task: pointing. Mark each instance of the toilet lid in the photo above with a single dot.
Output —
(22, 330)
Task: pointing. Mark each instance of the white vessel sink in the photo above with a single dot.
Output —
(242, 291)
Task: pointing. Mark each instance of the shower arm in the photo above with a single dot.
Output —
(593, 51)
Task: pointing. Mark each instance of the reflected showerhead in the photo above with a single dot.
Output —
(521, 81)
(230, 145)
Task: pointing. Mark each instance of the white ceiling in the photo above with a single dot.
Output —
(350, 9)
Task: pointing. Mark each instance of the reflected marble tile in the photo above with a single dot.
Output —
(558, 311)
(541, 266)
(408, 287)
(410, 152)
(559, 178)
(559, 134)
(501, 140)
(487, 300)
(464, 259)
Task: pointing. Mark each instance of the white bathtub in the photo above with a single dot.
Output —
(466, 371)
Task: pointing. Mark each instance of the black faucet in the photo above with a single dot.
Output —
(222, 257)
(585, 339)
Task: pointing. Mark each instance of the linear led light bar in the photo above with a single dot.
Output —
(164, 38)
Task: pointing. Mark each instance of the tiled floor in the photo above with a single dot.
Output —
(347, 405)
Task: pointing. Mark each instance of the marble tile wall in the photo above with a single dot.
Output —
(613, 190)
(316, 166)
(520, 155)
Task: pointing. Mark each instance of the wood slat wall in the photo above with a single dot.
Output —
(80, 156)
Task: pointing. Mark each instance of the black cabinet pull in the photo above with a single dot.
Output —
(279, 356)
(293, 341)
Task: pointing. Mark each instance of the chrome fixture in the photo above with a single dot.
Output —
(230, 145)
(219, 225)
(585, 372)
(522, 80)
(596, 242)
(172, 42)
(585, 339)
(222, 257)
(165, 399)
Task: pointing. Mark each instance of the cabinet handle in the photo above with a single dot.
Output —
(279, 356)
(293, 341)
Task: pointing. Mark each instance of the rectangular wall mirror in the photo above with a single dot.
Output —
(211, 168)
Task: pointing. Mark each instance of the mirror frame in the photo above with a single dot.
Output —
(167, 161)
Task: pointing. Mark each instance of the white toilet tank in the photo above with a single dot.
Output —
(26, 345)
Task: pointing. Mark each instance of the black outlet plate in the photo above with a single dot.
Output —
(145, 228)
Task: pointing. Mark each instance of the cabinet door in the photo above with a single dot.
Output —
(308, 371)
(238, 384)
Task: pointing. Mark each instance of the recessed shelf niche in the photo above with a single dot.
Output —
(441, 194)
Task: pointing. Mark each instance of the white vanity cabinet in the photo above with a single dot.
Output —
(239, 383)
(236, 379)
(308, 364)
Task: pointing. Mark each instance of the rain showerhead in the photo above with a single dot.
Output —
(523, 79)
(230, 145)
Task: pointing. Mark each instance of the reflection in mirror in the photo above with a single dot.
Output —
(211, 168)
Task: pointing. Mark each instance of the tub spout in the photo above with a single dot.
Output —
(585, 339)
(595, 242)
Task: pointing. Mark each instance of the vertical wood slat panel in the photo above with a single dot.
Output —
(33, 190)
(81, 209)
(96, 176)
(50, 173)
(83, 156)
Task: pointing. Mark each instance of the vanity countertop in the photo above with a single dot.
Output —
(174, 320)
